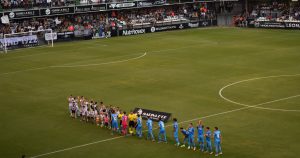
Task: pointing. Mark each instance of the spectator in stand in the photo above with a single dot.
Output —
(121, 19)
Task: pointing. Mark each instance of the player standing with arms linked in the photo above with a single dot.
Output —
(175, 130)
(191, 137)
(208, 141)
(200, 135)
(139, 126)
(186, 136)
(162, 131)
(150, 125)
(114, 122)
(217, 141)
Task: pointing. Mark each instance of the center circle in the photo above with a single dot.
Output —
(258, 106)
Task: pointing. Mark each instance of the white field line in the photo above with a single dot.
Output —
(66, 66)
(84, 65)
(96, 59)
(208, 116)
(78, 146)
(257, 106)
(23, 56)
(32, 69)
(112, 62)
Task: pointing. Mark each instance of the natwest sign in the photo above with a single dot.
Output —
(133, 32)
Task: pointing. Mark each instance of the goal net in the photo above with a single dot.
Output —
(27, 39)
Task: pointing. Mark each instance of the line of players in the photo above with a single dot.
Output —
(203, 140)
(112, 117)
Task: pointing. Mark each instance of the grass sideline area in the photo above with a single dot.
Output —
(182, 73)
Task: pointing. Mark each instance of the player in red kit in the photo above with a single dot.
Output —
(124, 123)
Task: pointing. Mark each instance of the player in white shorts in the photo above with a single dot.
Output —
(73, 110)
(85, 112)
(70, 101)
(77, 110)
(91, 115)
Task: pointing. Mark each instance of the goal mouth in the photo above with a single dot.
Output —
(27, 39)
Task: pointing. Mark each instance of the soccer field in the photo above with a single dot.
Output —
(245, 81)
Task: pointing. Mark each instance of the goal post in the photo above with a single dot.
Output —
(28, 39)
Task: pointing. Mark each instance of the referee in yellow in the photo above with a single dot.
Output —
(132, 121)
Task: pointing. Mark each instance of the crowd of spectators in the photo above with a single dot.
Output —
(106, 20)
(273, 11)
(27, 4)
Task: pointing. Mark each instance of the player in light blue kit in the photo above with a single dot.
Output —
(217, 141)
(139, 126)
(114, 122)
(175, 130)
(200, 135)
(162, 131)
(149, 125)
(208, 140)
(191, 130)
(186, 136)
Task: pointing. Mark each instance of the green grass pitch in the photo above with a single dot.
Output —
(182, 73)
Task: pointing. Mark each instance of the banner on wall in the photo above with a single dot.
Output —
(274, 24)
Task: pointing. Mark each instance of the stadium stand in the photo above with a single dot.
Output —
(275, 11)
(87, 19)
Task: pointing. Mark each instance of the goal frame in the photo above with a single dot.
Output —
(29, 32)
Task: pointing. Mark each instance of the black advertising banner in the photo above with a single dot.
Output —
(142, 4)
(269, 24)
(160, 27)
(84, 8)
(99, 7)
(121, 5)
(65, 36)
(90, 8)
(132, 32)
(274, 24)
(159, 2)
(129, 32)
(167, 27)
(292, 25)
(58, 11)
(187, 1)
(22, 14)
(155, 115)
